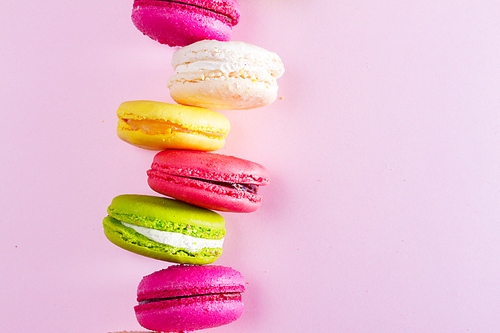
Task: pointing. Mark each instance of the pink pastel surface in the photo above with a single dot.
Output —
(383, 210)
(182, 174)
(181, 24)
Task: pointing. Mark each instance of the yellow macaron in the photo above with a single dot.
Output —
(158, 126)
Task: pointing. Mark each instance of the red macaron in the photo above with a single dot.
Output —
(209, 180)
(183, 22)
(188, 298)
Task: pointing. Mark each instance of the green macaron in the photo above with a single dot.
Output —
(165, 229)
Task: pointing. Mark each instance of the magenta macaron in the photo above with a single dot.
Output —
(183, 22)
(208, 180)
(188, 298)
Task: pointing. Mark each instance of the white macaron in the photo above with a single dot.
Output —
(225, 75)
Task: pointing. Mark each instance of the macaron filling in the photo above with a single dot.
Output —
(152, 127)
(174, 239)
(130, 239)
(220, 296)
(219, 69)
(250, 188)
(238, 187)
(169, 226)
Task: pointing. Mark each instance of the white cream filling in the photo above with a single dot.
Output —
(207, 65)
(236, 67)
(175, 239)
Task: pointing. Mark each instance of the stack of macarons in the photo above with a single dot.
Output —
(180, 224)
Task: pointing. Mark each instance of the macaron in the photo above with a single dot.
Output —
(165, 229)
(157, 126)
(209, 180)
(182, 22)
(188, 298)
(225, 75)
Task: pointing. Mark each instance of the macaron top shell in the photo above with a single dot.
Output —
(180, 23)
(167, 215)
(227, 57)
(211, 166)
(183, 280)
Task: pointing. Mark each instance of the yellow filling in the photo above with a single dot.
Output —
(152, 127)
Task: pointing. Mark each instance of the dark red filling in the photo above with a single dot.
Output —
(225, 296)
(241, 187)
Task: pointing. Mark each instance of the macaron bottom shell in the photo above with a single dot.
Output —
(223, 92)
(131, 240)
(190, 313)
(175, 24)
(204, 194)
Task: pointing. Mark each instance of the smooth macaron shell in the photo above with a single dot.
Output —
(208, 180)
(189, 298)
(225, 75)
(180, 23)
(157, 125)
(187, 229)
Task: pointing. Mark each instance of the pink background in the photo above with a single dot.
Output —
(383, 210)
